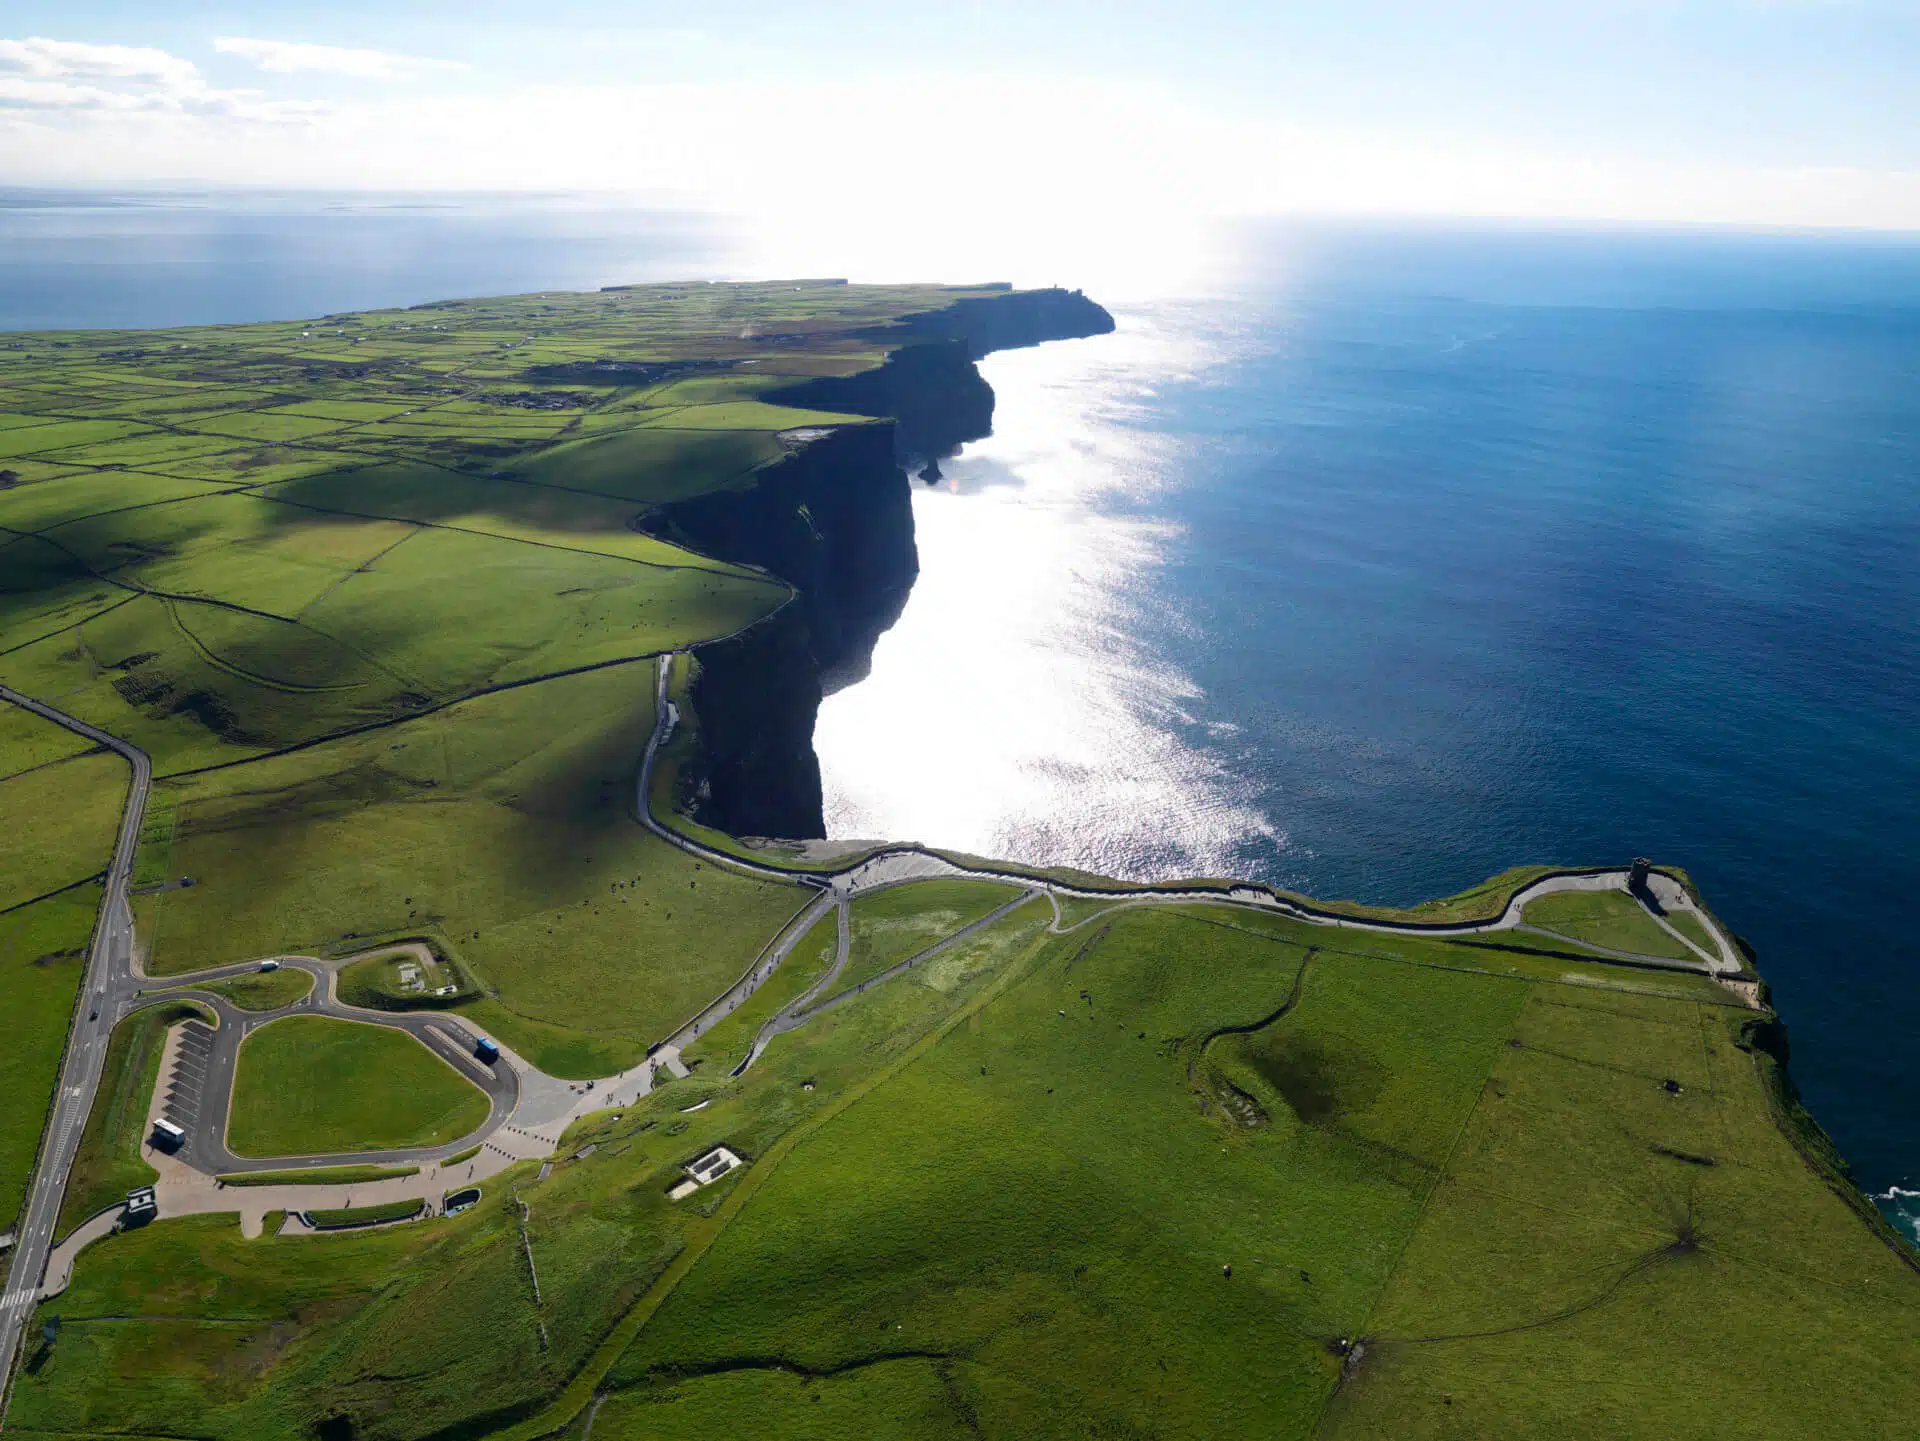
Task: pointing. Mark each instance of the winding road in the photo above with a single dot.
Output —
(528, 1109)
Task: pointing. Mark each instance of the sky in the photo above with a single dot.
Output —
(1748, 112)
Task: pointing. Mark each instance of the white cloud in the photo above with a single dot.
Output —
(287, 57)
(46, 59)
(76, 78)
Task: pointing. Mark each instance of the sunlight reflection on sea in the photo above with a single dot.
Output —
(1008, 712)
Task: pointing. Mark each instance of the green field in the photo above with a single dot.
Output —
(1612, 919)
(62, 820)
(43, 958)
(26, 741)
(263, 990)
(1002, 1201)
(505, 837)
(893, 924)
(306, 1085)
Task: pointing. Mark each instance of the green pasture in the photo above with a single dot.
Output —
(652, 466)
(43, 960)
(60, 823)
(306, 1085)
(890, 925)
(1612, 919)
(493, 826)
(27, 741)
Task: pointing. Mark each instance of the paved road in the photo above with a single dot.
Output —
(108, 961)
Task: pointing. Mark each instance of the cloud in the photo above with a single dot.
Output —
(288, 57)
(45, 59)
(77, 78)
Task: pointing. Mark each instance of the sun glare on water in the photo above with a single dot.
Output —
(1009, 712)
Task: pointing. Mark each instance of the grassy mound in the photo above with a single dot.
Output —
(382, 983)
(264, 990)
(1612, 919)
(308, 1085)
(345, 1218)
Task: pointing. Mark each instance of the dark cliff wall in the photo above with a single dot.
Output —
(835, 521)
(754, 699)
(929, 385)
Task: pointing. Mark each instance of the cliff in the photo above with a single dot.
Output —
(835, 521)
(928, 384)
(754, 698)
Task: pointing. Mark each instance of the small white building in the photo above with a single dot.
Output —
(704, 1172)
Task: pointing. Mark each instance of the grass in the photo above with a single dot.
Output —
(62, 820)
(489, 825)
(1689, 925)
(263, 990)
(108, 1163)
(26, 741)
(1612, 919)
(1663, 1273)
(890, 925)
(1484, 902)
(43, 958)
(1383, 1140)
(308, 1085)
(321, 1176)
(347, 1217)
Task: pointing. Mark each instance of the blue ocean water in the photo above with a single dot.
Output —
(1370, 561)
(1576, 549)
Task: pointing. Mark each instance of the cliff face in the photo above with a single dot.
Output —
(754, 698)
(835, 521)
(929, 386)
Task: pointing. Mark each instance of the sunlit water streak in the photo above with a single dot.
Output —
(1017, 717)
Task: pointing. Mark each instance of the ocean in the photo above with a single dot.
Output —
(1364, 559)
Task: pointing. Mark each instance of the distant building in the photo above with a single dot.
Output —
(1637, 873)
